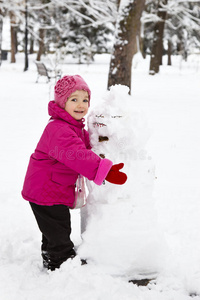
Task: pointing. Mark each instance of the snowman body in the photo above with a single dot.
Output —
(119, 223)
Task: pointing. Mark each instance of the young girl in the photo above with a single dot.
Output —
(63, 152)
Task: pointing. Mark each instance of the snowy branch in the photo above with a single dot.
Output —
(150, 18)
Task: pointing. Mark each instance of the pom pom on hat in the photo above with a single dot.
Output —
(68, 85)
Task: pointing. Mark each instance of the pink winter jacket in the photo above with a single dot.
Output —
(62, 153)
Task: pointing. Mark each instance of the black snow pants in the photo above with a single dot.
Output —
(55, 224)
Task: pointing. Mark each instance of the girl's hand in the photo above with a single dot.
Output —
(115, 176)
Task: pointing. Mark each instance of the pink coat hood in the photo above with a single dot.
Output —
(62, 153)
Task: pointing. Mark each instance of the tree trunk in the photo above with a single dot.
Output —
(118, 3)
(142, 47)
(41, 43)
(127, 29)
(31, 50)
(169, 53)
(26, 63)
(13, 48)
(16, 39)
(1, 30)
(13, 37)
(42, 31)
(157, 48)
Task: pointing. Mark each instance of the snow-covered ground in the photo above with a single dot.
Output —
(171, 103)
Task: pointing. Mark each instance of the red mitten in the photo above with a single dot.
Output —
(115, 176)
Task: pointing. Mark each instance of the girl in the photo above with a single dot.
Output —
(63, 152)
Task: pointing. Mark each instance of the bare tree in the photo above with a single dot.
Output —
(14, 9)
(41, 43)
(26, 38)
(169, 53)
(157, 48)
(13, 36)
(1, 30)
(2, 14)
(127, 30)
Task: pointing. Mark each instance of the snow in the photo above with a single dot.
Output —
(167, 106)
(124, 4)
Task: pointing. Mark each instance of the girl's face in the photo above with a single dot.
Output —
(77, 104)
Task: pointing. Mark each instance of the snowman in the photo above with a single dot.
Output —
(120, 232)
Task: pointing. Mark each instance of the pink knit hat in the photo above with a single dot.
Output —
(68, 85)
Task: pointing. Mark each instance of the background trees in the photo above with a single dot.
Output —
(86, 27)
(80, 26)
(158, 31)
(173, 28)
